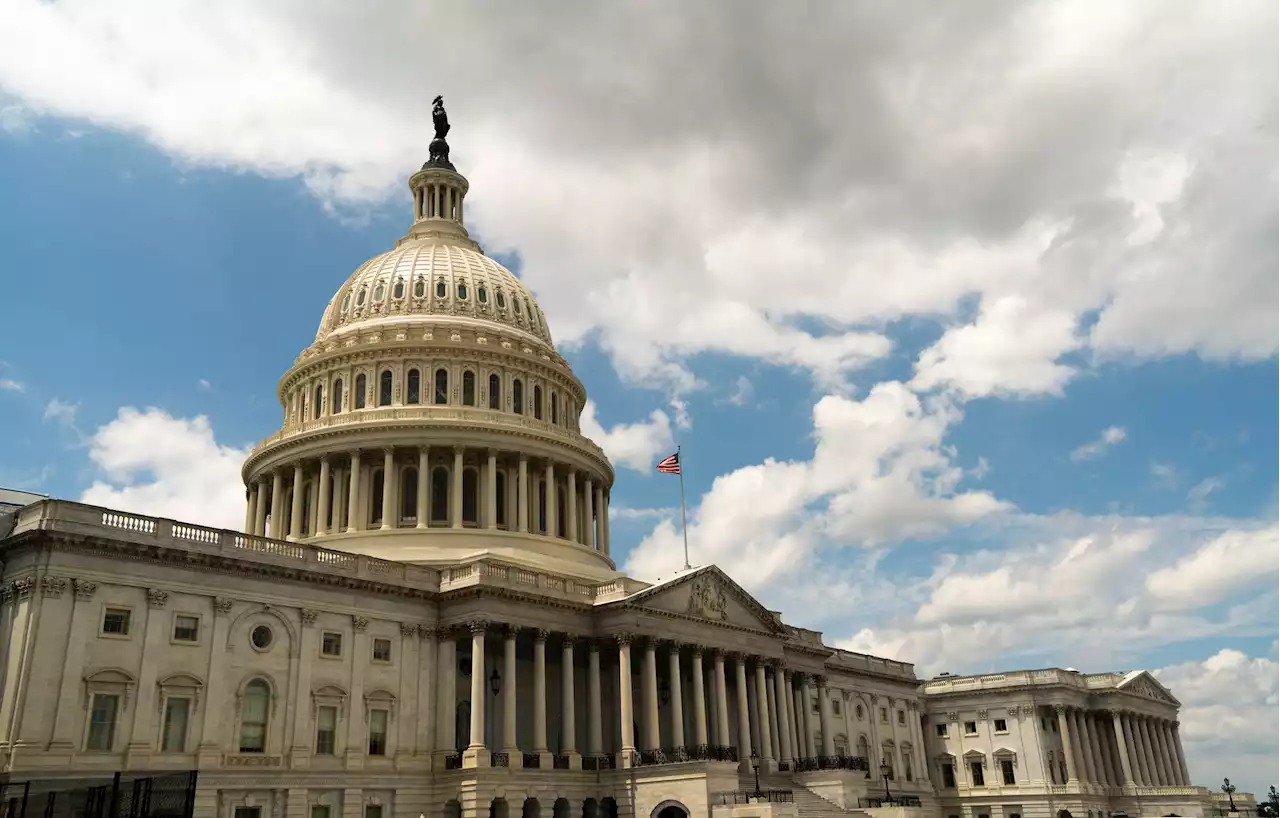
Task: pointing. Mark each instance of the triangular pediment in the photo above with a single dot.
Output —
(707, 593)
(1142, 684)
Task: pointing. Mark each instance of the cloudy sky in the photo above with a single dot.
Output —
(964, 314)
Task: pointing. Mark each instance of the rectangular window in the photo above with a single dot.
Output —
(1044, 724)
(319, 811)
(884, 715)
(902, 717)
(176, 714)
(1054, 724)
(975, 769)
(378, 732)
(1006, 771)
(116, 621)
(1002, 726)
(186, 628)
(382, 650)
(331, 644)
(372, 811)
(102, 722)
(971, 728)
(326, 731)
(948, 776)
(248, 812)
(941, 730)
(906, 765)
(835, 707)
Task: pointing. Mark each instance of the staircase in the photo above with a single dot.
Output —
(808, 803)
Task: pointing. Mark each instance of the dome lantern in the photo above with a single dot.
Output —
(438, 189)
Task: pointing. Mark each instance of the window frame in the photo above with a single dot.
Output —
(173, 630)
(1000, 726)
(332, 733)
(323, 637)
(386, 388)
(112, 726)
(940, 730)
(439, 396)
(386, 732)
(373, 650)
(973, 731)
(107, 609)
(165, 712)
(255, 682)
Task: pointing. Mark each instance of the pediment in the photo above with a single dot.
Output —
(707, 593)
(1143, 685)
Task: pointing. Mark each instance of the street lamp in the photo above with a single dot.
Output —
(755, 765)
(885, 769)
(495, 681)
(1229, 789)
(664, 691)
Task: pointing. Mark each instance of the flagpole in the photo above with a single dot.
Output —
(684, 521)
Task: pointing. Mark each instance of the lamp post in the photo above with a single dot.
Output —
(885, 769)
(755, 765)
(1229, 789)
(495, 682)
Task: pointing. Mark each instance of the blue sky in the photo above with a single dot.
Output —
(997, 399)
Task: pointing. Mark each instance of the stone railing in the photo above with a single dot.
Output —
(1019, 678)
(444, 415)
(848, 660)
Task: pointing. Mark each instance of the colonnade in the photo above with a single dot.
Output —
(1112, 748)
(429, 486)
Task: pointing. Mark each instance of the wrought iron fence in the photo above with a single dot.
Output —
(752, 796)
(676, 755)
(163, 795)
(500, 759)
(532, 761)
(560, 761)
(892, 801)
(855, 763)
(601, 762)
(453, 761)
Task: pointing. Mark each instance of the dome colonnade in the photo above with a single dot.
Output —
(433, 398)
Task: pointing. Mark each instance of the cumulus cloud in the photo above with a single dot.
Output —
(1235, 562)
(10, 385)
(157, 464)
(632, 445)
(1110, 436)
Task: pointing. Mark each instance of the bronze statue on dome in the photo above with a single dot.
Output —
(439, 148)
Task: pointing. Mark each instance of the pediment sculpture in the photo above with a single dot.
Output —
(707, 599)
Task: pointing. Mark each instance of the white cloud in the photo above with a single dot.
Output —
(743, 391)
(156, 464)
(1198, 496)
(1234, 562)
(10, 385)
(60, 411)
(204, 386)
(633, 445)
(1110, 436)
(16, 120)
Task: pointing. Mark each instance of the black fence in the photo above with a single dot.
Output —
(855, 763)
(163, 795)
(676, 755)
(752, 796)
(892, 801)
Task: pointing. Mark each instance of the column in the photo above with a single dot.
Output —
(1063, 728)
(509, 671)
(569, 725)
(699, 699)
(277, 503)
(601, 542)
(540, 691)
(571, 506)
(353, 494)
(260, 510)
(522, 496)
(1166, 754)
(762, 708)
(1095, 752)
(775, 738)
(1149, 768)
(780, 688)
(677, 694)
(626, 716)
(423, 513)
(1157, 757)
(1082, 744)
(744, 718)
(1177, 751)
(478, 692)
(1133, 758)
(824, 717)
(806, 695)
(652, 734)
(322, 512)
(250, 508)
(491, 490)
(456, 499)
(388, 489)
(589, 531)
(722, 699)
(789, 695)
(604, 521)
(595, 728)
(549, 509)
(295, 507)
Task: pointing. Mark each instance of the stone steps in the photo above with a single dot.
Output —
(808, 803)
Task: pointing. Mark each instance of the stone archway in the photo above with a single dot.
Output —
(452, 809)
(561, 808)
(591, 808)
(532, 808)
(1062, 813)
(609, 808)
(498, 808)
(670, 809)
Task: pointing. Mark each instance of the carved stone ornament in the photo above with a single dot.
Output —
(222, 605)
(84, 588)
(707, 599)
(307, 616)
(22, 587)
(982, 715)
(953, 717)
(409, 629)
(52, 586)
(157, 598)
(427, 631)
(359, 623)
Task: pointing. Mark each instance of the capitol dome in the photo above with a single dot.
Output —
(432, 420)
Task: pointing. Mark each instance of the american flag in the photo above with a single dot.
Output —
(670, 465)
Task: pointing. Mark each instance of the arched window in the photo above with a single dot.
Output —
(482, 294)
(442, 386)
(561, 515)
(419, 288)
(555, 408)
(440, 495)
(306, 511)
(470, 495)
(379, 291)
(502, 498)
(537, 402)
(441, 289)
(542, 507)
(502, 300)
(409, 495)
(468, 388)
(361, 389)
(375, 496)
(517, 396)
(255, 708)
(462, 291)
(398, 292)
(495, 392)
(360, 298)
(337, 396)
(384, 388)
(414, 387)
(318, 403)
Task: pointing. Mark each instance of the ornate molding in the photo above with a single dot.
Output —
(307, 616)
(541, 635)
(84, 589)
(222, 605)
(409, 629)
(478, 626)
(157, 598)
(953, 716)
(982, 715)
(51, 586)
(359, 624)
(623, 639)
(22, 587)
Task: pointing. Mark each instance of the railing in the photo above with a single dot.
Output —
(855, 763)
(721, 799)
(163, 795)
(560, 761)
(677, 755)
(500, 760)
(601, 762)
(532, 761)
(891, 801)
(453, 761)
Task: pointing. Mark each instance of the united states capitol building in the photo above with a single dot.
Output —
(423, 616)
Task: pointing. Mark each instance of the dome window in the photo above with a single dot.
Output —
(384, 388)
(482, 295)
(441, 289)
(398, 290)
(442, 386)
(517, 396)
(337, 397)
(515, 304)
(419, 288)
(319, 401)
(414, 390)
(470, 497)
(440, 495)
(380, 291)
(346, 303)
(361, 383)
(468, 388)
(533, 314)
(537, 402)
(555, 408)
(495, 392)
(375, 499)
(502, 300)
(360, 298)
(462, 291)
